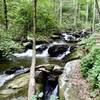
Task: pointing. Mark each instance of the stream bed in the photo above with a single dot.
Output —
(52, 53)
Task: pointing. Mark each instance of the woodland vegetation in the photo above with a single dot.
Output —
(41, 19)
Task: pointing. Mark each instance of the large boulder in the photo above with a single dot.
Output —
(72, 86)
(65, 88)
(57, 50)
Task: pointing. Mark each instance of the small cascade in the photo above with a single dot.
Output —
(38, 46)
(68, 37)
(55, 92)
(4, 78)
(58, 43)
(43, 54)
(28, 53)
(10, 74)
(51, 87)
(61, 56)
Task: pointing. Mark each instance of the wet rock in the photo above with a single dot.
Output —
(18, 82)
(76, 53)
(39, 76)
(42, 71)
(68, 37)
(85, 32)
(28, 45)
(41, 42)
(48, 67)
(16, 70)
(11, 73)
(20, 98)
(55, 36)
(57, 50)
(52, 78)
(77, 36)
(57, 70)
(41, 48)
(6, 92)
(14, 87)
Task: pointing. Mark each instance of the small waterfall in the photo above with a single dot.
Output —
(6, 77)
(55, 92)
(43, 54)
(68, 37)
(51, 88)
(38, 46)
(28, 53)
(61, 56)
(58, 43)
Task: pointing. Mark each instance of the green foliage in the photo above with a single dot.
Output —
(45, 16)
(90, 67)
(88, 42)
(7, 45)
(94, 77)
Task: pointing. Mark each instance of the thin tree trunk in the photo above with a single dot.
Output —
(76, 7)
(94, 12)
(98, 9)
(31, 90)
(79, 9)
(87, 12)
(60, 13)
(5, 13)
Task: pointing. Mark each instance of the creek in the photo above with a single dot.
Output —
(52, 53)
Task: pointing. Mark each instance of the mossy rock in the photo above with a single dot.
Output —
(48, 67)
(76, 54)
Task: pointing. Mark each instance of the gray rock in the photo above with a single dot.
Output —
(66, 90)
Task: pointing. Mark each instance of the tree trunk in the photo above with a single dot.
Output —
(76, 7)
(31, 90)
(60, 13)
(5, 13)
(98, 9)
(94, 12)
(87, 12)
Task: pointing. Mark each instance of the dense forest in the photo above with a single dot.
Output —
(49, 49)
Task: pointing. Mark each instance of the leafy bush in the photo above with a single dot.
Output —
(88, 42)
(94, 77)
(7, 45)
(90, 67)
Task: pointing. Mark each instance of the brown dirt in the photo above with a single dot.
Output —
(81, 84)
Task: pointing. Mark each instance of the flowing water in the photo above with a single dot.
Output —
(24, 59)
